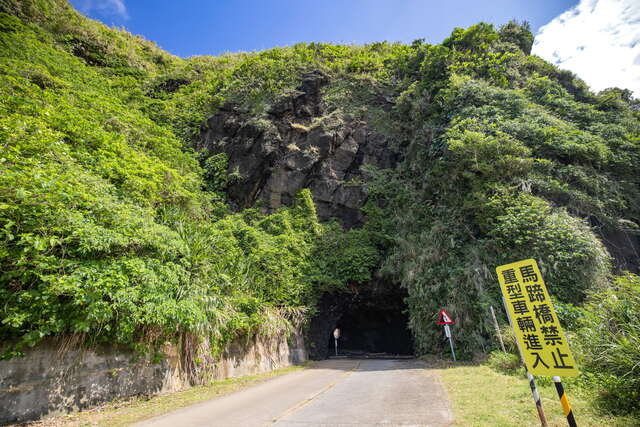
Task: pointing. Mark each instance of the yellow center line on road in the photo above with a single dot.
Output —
(305, 402)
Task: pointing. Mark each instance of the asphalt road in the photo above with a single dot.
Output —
(332, 392)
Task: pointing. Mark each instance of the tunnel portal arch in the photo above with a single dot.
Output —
(372, 320)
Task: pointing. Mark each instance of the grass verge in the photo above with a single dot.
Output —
(481, 396)
(127, 411)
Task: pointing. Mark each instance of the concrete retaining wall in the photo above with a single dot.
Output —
(48, 381)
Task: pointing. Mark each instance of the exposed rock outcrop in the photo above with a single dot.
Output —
(297, 145)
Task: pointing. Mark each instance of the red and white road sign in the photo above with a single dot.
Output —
(445, 318)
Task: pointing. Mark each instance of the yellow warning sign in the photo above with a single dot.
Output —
(542, 342)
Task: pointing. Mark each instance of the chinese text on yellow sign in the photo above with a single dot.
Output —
(542, 342)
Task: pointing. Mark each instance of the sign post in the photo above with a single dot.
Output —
(446, 320)
(532, 381)
(336, 335)
(541, 340)
(564, 401)
(495, 324)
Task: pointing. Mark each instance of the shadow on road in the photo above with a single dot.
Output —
(366, 364)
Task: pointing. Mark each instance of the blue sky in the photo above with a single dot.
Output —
(197, 27)
(597, 39)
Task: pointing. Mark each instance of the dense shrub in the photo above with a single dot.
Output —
(506, 363)
(502, 163)
(609, 342)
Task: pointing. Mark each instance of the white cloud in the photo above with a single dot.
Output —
(112, 7)
(599, 40)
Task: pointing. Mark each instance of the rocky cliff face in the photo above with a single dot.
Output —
(297, 144)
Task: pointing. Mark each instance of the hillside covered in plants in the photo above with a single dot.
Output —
(147, 198)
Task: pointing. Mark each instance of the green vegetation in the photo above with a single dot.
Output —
(112, 227)
(517, 167)
(482, 397)
(608, 339)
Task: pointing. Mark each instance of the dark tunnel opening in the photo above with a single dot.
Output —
(373, 320)
(371, 330)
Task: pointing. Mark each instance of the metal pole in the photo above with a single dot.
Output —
(565, 402)
(448, 334)
(532, 381)
(495, 323)
(453, 353)
(336, 343)
(536, 398)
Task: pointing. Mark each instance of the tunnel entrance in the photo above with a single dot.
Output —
(372, 320)
(373, 330)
